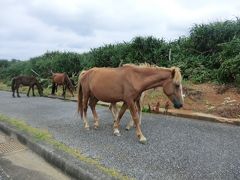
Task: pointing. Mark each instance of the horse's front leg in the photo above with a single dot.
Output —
(53, 88)
(114, 111)
(33, 90)
(13, 91)
(28, 91)
(64, 91)
(133, 110)
(139, 109)
(117, 121)
(17, 87)
(92, 103)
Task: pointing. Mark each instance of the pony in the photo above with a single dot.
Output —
(126, 84)
(30, 81)
(114, 110)
(64, 80)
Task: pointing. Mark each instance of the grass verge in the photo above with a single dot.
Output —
(45, 136)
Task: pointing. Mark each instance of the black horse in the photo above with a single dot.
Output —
(26, 81)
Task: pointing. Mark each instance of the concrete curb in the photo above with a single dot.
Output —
(199, 116)
(62, 160)
(178, 113)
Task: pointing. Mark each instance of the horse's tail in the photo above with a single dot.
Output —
(68, 83)
(13, 83)
(80, 94)
(80, 97)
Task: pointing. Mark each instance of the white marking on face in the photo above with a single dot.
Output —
(183, 95)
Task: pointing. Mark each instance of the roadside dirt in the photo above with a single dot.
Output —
(207, 98)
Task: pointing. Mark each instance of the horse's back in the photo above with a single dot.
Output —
(106, 76)
(58, 78)
(106, 84)
(25, 80)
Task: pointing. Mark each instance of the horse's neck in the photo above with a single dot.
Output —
(153, 77)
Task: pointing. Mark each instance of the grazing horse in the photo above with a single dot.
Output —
(126, 84)
(64, 80)
(26, 81)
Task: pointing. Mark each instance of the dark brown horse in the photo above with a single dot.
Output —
(26, 81)
(126, 84)
(64, 80)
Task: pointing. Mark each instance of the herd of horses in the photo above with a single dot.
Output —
(31, 81)
(122, 84)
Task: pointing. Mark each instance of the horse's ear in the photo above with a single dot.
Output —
(173, 73)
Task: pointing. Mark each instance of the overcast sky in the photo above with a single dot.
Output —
(29, 28)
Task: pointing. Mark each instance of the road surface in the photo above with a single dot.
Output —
(177, 148)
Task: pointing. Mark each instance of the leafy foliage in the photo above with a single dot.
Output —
(210, 53)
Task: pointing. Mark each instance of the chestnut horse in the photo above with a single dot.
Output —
(30, 81)
(64, 80)
(126, 84)
(114, 110)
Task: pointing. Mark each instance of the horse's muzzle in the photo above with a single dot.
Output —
(177, 104)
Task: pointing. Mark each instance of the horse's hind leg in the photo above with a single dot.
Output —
(92, 103)
(85, 106)
(117, 121)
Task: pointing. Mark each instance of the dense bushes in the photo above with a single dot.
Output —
(210, 53)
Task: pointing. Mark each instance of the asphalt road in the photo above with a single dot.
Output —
(177, 148)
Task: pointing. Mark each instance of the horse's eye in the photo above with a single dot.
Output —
(177, 85)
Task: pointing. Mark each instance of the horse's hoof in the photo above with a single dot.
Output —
(116, 132)
(96, 127)
(143, 140)
(127, 128)
(87, 128)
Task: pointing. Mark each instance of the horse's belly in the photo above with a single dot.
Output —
(107, 95)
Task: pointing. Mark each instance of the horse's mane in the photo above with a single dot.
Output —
(82, 72)
(177, 79)
(145, 65)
